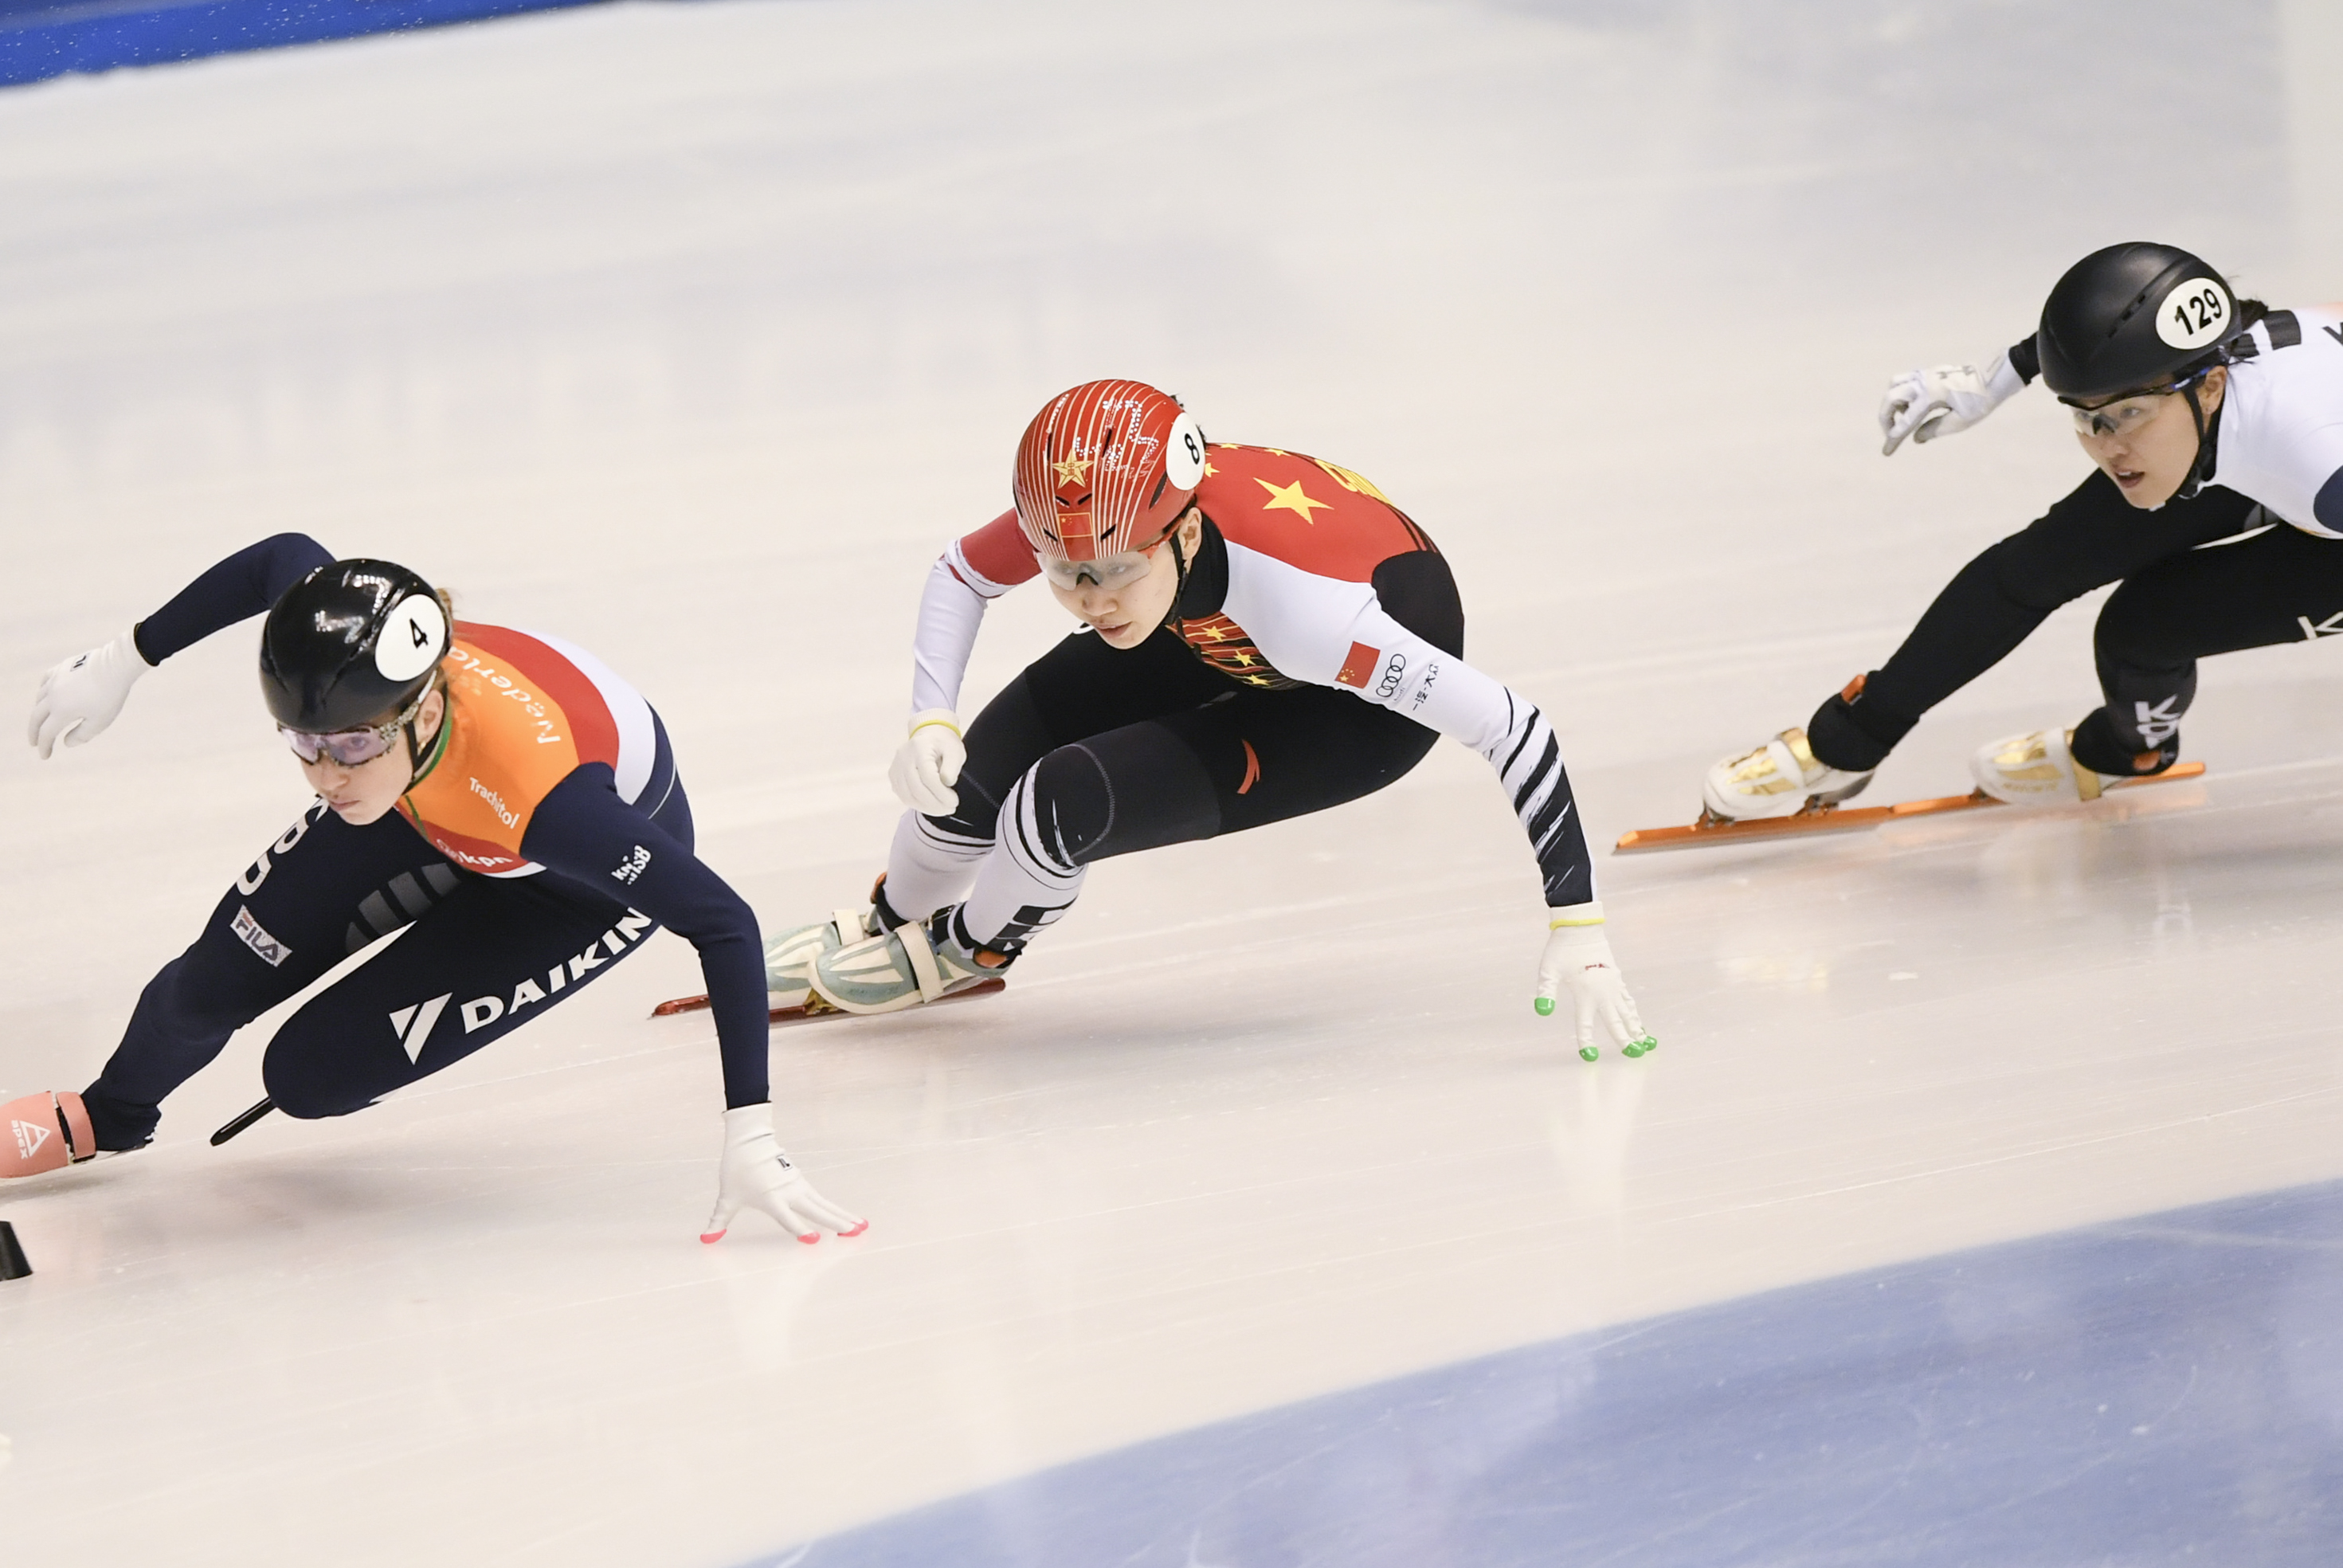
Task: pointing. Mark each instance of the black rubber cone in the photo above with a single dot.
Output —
(13, 1264)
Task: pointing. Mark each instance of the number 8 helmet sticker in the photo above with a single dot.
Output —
(2194, 314)
(1183, 456)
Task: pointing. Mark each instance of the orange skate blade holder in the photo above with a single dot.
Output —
(1815, 819)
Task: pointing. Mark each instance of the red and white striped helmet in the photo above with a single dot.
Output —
(1106, 468)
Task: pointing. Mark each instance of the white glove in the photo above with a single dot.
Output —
(79, 698)
(1578, 955)
(755, 1173)
(1926, 404)
(928, 763)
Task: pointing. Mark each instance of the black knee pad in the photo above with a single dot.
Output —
(1073, 803)
(1138, 788)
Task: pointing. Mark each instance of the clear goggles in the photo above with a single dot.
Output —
(355, 748)
(1108, 571)
(2127, 415)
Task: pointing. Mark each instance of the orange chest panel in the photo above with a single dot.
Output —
(510, 742)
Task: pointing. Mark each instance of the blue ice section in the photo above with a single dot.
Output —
(39, 38)
(2162, 1390)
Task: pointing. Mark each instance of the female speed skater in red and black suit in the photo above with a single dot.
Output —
(1263, 635)
(499, 796)
(2215, 428)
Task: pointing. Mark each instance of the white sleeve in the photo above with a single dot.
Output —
(950, 611)
(1338, 634)
(1439, 690)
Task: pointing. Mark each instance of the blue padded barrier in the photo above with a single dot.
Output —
(39, 38)
(2158, 1392)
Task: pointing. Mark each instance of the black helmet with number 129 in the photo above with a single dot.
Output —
(2134, 318)
(352, 644)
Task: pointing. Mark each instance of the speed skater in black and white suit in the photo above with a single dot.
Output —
(1263, 636)
(2215, 428)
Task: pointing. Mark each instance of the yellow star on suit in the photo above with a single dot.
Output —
(1291, 498)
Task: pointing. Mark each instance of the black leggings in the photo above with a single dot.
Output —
(480, 956)
(1095, 751)
(2284, 586)
(2185, 595)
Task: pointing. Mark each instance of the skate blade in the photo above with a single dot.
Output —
(814, 1008)
(1845, 819)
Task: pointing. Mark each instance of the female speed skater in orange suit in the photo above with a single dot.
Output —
(501, 797)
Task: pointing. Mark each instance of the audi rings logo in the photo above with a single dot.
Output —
(1394, 671)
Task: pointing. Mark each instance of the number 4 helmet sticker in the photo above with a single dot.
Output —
(413, 638)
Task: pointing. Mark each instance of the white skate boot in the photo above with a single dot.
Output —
(789, 957)
(2036, 769)
(917, 961)
(1780, 778)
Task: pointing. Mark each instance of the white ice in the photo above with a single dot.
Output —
(691, 333)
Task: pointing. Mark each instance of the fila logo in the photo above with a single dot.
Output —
(253, 935)
(30, 1136)
(413, 1024)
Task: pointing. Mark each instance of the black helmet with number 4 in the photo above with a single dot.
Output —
(352, 644)
(2133, 317)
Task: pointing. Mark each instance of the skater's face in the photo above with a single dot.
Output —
(1127, 613)
(366, 792)
(2148, 444)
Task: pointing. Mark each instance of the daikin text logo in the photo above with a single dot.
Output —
(413, 1025)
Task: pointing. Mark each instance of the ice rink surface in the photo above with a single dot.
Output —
(1980, 1205)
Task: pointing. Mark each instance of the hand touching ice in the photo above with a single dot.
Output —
(756, 1174)
(1578, 956)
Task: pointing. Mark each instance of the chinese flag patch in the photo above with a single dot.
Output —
(1358, 665)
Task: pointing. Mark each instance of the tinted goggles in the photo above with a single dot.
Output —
(355, 748)
(1108, 571)
(2125, 416)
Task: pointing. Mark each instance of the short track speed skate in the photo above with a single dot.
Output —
(814, 1008)
(1823, 818)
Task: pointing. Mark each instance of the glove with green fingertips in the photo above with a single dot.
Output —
(1578, 959)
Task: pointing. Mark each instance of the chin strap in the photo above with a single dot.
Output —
(2196, 470)
(415, 763)
(1179, 587)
